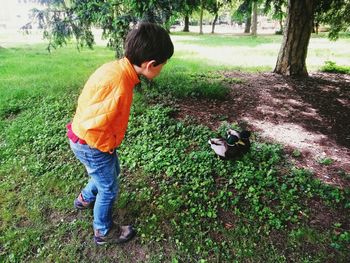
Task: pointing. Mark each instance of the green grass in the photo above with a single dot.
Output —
(188, 206)
(332, 67)
(226, 40)
(255, 53)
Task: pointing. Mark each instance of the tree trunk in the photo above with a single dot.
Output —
(248, 24)
(292, 56)
(166, 21)
(214, 22)
(201, 19)
(281, 25)
(255, 19)
(187, 24)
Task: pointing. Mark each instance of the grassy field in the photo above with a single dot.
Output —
(256, 53)
(187, 205)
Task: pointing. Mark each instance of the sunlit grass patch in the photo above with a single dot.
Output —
(210, 40)
(332, 67)
(247, 52)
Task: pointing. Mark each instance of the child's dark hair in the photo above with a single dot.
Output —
(148, 42)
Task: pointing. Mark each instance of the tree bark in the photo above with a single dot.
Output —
(292, 55)
(187, 24)
(248, 24)
(281, 25)
(255, 19)
(201, 19)
(214, 22)
(166, 21)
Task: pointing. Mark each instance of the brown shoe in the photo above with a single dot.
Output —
(116, 235)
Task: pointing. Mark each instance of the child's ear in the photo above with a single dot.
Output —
(150, 64)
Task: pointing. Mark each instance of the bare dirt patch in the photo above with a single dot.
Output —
(310, 116)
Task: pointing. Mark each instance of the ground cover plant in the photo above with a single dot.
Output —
(332, 67)
(187, 205)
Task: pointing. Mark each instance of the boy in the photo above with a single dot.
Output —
(101, 119)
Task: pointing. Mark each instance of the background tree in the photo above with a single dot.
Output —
(278, 11)
(63, 20)
(255, 18)
(186, 8)
(201, 11)
(336, 14)
(292, 56)
(249, 9)
(160, 11)
(244, 14)
(214, 6)
(301, 13)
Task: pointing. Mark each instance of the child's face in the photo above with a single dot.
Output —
(153, 71)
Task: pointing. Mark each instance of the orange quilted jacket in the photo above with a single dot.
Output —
(104, 105)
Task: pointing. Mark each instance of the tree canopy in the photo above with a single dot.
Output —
(334, 13)
(63, 20)
(66, 19)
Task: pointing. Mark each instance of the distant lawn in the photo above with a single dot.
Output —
(220, 40)
(187, 205)
(247, 52)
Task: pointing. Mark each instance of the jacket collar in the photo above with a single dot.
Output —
(129, 69)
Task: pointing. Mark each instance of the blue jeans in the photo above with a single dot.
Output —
(102, 188)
